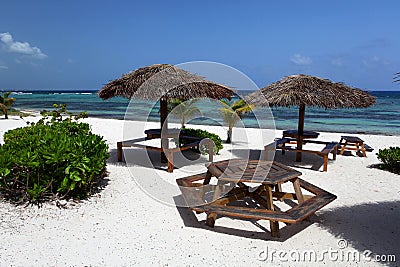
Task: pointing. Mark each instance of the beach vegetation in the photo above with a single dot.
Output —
(57, 157)
(232, 112)
(6, 103)
(390, 158)
(203, 134)
(15, 112)
(183, 110)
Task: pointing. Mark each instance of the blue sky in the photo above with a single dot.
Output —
(84, 44)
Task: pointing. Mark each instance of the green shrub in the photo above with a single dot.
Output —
(203, 134)
(55, 157)
(390, 158)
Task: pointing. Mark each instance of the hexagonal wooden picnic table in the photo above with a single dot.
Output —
(268, 175)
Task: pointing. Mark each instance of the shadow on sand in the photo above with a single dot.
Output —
(369, 226)
(309, 161)
(286, 231)
(152, 159)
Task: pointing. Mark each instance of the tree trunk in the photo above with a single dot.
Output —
(229, 138)
(6, 115)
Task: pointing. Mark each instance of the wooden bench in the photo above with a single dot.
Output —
(354, 143)
(330, 147)
(168, 151)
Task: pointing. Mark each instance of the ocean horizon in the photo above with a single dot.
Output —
(381, 118)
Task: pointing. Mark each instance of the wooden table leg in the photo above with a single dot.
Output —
(299, 194)
(210, 150)
(335, 152)
(119, 151)
(325, 169)
(343, 148)
(297, 190)
(207, 179)
(273, 224)
(164, 146)
(170, 162)
(211, 217)
(363, 150)
(278, 188)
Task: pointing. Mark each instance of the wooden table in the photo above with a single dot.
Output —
(305, 135)
(268, 177)
(328, 147)
(170, 133)
(352, 143)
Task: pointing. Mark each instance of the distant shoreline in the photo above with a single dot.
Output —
(382, 118)
(37, 113)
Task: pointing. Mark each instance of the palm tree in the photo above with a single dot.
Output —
(232, 113)
(5, 103)
(184, 110)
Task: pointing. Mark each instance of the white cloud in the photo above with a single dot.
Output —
(338, 62)
(3, 67)
(20, 47)
(375, 61)
(301, 60)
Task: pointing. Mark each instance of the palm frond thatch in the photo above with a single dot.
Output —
(308, 90)
(163, 81)
(396, 77)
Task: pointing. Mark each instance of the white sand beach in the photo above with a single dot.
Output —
(123, 225)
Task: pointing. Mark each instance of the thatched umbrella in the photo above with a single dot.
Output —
(304, 90)
(396, 77)
(163, 82)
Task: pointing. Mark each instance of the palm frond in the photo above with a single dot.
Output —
(396, 77)
(3, 108)
(185, 110)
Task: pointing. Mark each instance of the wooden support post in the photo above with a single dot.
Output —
(163, 126)
(299, 194)
(210, 150)
(343, 148)
(278, 188)
(325, 163)
(335, 152)
(273, 224)
(207, 179)
(170, 161)
(363, 150)
(119, 151)
(297, 190)
(211, 217)
(300, 131)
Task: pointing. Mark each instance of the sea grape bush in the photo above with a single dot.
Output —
(390, 158)
(57, 157)
(204, 134)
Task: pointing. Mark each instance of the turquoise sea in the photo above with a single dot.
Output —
(382, 118)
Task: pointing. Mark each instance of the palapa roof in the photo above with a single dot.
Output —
(311, 91)
(396, 77)
(163, 81)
